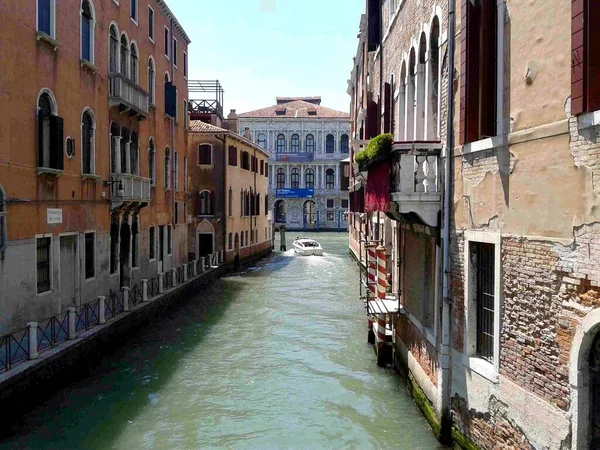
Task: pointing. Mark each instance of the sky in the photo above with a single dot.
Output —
(261, 49)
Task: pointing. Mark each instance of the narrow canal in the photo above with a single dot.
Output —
(275, 357)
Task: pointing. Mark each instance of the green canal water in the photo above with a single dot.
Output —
(275, 357)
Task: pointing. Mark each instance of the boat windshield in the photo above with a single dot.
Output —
(310, 244)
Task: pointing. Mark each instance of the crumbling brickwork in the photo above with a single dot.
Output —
(585, 147)
(419, 347)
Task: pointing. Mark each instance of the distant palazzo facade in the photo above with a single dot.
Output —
(308, 177)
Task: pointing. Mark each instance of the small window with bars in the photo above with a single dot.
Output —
(482, 256)
(90, 267)
(43, 264)
(152, 243)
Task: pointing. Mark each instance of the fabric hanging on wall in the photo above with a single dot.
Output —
(377, 196)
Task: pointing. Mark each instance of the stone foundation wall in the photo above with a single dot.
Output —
(419, 347)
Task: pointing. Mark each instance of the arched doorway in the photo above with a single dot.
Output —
(310, 213)
(205, 234)
(594, 362)
(280, 211)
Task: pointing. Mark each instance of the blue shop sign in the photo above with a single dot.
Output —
(295, 193)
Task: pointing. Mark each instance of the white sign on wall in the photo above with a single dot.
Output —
(54, 215)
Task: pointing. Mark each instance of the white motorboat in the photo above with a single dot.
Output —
(307, 247)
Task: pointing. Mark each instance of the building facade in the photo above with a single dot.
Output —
(495, 280)
(308, 171)
(94, 141)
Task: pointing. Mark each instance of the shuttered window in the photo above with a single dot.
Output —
(374, 24)
(205, 155)
(387, 113)
(585, 56)
(233, 154)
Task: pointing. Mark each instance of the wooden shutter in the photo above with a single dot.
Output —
(56, 143)
(267, 169)
(266, 204)
(232, 155)
(469, 72)
(578, 57)
(170, 99)
(197, 203)
(40, 139)
(212, 203)
(593, 55)
(487, 57)
(374, 24)
(372, 119)
(387, 115)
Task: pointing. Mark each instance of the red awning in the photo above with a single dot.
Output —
(377, 197)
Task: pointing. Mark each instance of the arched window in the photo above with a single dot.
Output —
(151, 81)
(295, 178)
(125, 136)
(281, 143)
(3, 233)
(50, 133)
(434, 87)
(262, 141)
(124, 55)
(295, 143)
(113, 50)
(87, 143)
(87, 31)
(420, 90)
(280, 178)
(115, 137)
(206, 204)
(152, 162)
(237, 240)
(410, 97)
(167, 168)
(329, 144)
(310, 143)
(230, 202)
(134, 63)
(344, 143)
(309, 178)
(134, 153)
(230, 241)
(329, 179)
(205, 154)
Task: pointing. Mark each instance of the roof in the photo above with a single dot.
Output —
(296, 108)
(165, 9)
(316, 100)
(197, 126)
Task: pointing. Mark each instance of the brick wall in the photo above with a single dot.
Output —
(418, 346)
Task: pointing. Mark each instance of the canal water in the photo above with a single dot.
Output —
(275, 357)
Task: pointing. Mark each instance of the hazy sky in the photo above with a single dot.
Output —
(260, 49)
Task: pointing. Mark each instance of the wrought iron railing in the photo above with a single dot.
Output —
(153, 289)
(168, 279)
(53, 331)
(87, 315)
(191, 270)
(14, 348)
(179, 275)
(135, 295)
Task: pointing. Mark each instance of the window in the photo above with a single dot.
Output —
(151, 23)
(113, 50)
(185, 114)
(3, 232)
(205, 204)
(242, 239)
(133, 64)
(280, 178)
(87, 143)
(185, 174)
(478, 81)
(115, 138)
(43, 264)
(482, 261)
(245, 161)
(295, 178)
(176, 170)
(310, 143)
(124, 55)
(344, 144)
(329, 179)
(281, 143)
(167, 168)
(124, 151)
(50, 134)
(46, 17)
(133, 10)
(87, 31)
(262, 167)
(170, 92)
(266, 169)
(329, 144)
(167, 42)
(233, 154)
(169, 240)
(230, 241)
(175, 52)
(309, 179)
(330, 203)
(90, 266)
(230, 202)
(152, 162)
(330, 216)
(134, 154)
(262, 141)
(295, 143)
(246, 232)
(151, 243)
(205, 154)
(267, 205)
(151, 81)
(185, 64)
(345, 203)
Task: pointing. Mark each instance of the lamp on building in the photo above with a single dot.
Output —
(120, 190)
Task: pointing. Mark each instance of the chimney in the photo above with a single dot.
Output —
(231, 123)
(247, 132)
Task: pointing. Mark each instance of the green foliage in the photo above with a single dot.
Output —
(379, 149)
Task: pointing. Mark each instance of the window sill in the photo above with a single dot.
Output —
(490, 143)
(48, 40)
(44, 294)
(90, 176)
(205, 216)
(134, 21)
(85, 64)
(588, 120)
(151, 40)
(482, 367)
(48, 171)
(87, 280)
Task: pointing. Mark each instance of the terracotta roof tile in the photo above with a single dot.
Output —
(197, 126)
(297, 109)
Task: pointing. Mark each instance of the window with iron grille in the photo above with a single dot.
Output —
(482, 257)
(230, 241)
(43, 264)
(151, 243)
(90, 269)
(169, 241)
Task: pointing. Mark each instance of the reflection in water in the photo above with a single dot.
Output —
(275, 357)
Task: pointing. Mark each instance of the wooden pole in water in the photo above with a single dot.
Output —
(282, 246)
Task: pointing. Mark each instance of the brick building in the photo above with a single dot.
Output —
(504, 350)
(94, 150)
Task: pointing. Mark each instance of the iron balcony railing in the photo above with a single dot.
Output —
(127, 187)
(127, 95)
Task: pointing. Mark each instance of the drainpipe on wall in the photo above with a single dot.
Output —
(445, 357)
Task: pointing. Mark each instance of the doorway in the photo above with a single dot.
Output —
(310, 214)
(595, 393)
(68, 271)
(124, 254)
(280, 211)
(205, 244)
(161, 248)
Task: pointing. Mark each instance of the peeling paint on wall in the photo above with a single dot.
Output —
(475, 166)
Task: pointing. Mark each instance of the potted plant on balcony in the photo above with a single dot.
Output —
(379, 149)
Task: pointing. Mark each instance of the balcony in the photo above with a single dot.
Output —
(127, 189)
(128, 96)
(416, 180)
